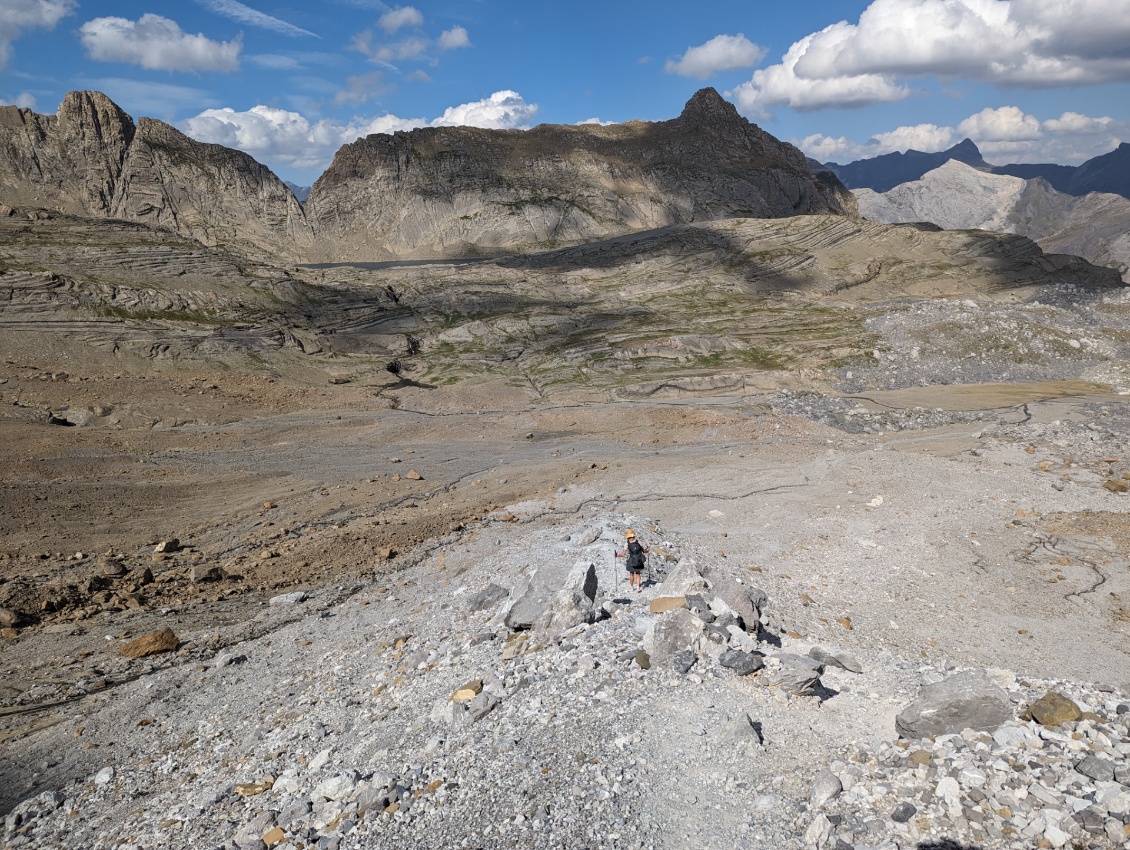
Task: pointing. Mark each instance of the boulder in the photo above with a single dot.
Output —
(736, 597)
(1052, 709)
(574, 603)
(965, 701)
(9, 618)
(151, 644)
(672, 633)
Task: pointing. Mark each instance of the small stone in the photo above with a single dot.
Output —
(825, 787)
(273, 836)
(921, 758)
(683, 661)
(1099, 769)
(251, 789)
(151, 644)
(819, 832)
(742, 663)
(468, 692)
(413, 475)
(903, 812)
(104, 776)
(643, 660)
(167, 546)
(292, 598)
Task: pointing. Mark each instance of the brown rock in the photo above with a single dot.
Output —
(468, 691)
(643, 660)
(9, 618)
(273, 836)
(921, 758)
(845, 622)
(250, 789)
(1052, 709)
(663, 604)
(9, 633)
(151, 644)
(413, 475)
(170, 545)
(1116, 486)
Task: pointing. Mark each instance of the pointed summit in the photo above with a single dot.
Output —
(707, 105)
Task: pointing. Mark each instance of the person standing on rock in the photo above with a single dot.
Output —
(636, 558)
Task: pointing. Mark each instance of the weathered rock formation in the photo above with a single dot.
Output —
(92, 159)
(459, 191)
(957, 197)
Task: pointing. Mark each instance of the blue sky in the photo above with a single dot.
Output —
(290, 82)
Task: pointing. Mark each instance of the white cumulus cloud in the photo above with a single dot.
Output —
(157, 43)
(721, 53)
(18, 15)
(503, 110)
(397, 19)
(780, 85)
(284, 139)
(1024, 43)
(453, 38)
(1004, 124)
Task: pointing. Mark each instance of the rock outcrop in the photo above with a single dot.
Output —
(957, 197)
(463, 191)
(91, 159)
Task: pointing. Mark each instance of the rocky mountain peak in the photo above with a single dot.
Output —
(92, 115)
(706, 105)
(92, 159)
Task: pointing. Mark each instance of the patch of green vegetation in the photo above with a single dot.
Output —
(196, 316)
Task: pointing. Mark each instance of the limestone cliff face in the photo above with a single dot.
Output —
(91, 159)
(458, 191)
(957, 197)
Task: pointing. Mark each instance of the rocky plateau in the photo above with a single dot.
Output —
(318, 555)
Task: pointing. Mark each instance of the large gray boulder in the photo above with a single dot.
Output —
(736, 596)
(965, 701)
(671, 633)
(553, 598)
(573, 604)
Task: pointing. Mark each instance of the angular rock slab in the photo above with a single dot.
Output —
(796, 674)
(554, 597)
(671, 634)
(965, 701)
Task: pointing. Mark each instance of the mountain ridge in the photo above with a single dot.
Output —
(459, 191)
(425, 194)
(957, 197)
(1109, 172)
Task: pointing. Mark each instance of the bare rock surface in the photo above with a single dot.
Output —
(910, 467)
(956, 196)
(92, 159)
(461, 191)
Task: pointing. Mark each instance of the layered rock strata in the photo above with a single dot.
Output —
(91, 159)
(462, 191)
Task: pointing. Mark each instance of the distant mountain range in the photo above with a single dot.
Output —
(430, 193)
(955, 196)
(1107, 173)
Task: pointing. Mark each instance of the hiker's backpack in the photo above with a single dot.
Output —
(635, 555)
